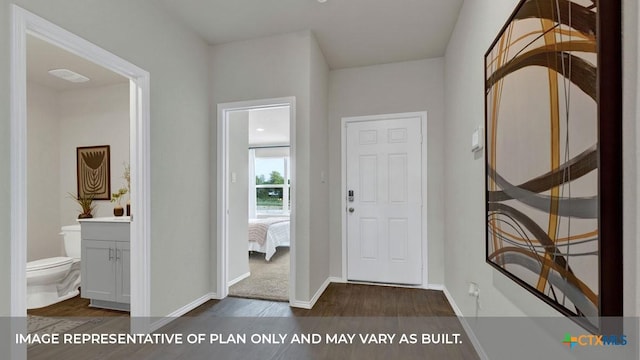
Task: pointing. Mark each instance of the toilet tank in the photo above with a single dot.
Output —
(72, 240)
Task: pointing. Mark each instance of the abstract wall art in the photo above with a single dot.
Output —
(554, 157)
(93, 172)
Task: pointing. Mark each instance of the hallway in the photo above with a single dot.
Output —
(344, 309)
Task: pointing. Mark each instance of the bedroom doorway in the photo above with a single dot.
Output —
(256, 215)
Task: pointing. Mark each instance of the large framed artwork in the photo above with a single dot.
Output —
(554, 155)
(93, 172)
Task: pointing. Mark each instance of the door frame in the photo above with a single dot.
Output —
(343, 189)
(26, 23)
(222, 218)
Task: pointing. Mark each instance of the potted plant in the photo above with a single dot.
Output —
(118, 210)
(86, 204)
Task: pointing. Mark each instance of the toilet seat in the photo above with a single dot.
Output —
(48, 263)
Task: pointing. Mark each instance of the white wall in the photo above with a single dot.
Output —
(144, 34)
(5, 173)
(477, 26)
(384, 89)
(238, 194)
(91, 117)
(58, 122)
(43, 168)
(319, 171)
(272, 67)
(464, 174)
(631, 155)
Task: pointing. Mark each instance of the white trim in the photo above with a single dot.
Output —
(18, 163)
(438, 287)
(25, 23)
(253, 201)
(637, 156)
(238, 279)
(181, 311)
(453, 304)
(222, 253)
(343, 187)
(467, 328)
(309, 304)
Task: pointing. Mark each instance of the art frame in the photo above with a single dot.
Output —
(553, 174)
(93, 172)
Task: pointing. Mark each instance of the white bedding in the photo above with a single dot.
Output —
(277, 235)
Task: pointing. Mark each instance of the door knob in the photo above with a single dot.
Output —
(351, 210)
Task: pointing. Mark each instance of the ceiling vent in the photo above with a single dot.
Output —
(69, 75)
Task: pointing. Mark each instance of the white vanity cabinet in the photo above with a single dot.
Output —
(105, 262)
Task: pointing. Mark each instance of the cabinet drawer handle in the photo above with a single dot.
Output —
(110, 254)
(118, 252)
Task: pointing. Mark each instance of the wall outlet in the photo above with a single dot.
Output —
(474, 290)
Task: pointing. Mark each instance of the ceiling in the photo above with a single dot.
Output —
(274, 123)
(42, 57)
(350, 32)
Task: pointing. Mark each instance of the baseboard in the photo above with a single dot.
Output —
(438, 287)
(467, 328)
(181, 311)
(336, 279)
(238, 279)
(309, 304)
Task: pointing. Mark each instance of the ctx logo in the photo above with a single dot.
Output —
(594, 340)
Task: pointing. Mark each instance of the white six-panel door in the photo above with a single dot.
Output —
(384, 176)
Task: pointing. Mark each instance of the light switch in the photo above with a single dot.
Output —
(477, 139)
(234, 177)
(323, 177)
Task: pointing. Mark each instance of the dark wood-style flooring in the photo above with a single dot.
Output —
(367, 300)
(343, 308)
(75, 306)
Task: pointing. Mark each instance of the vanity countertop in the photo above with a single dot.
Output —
(115, 219)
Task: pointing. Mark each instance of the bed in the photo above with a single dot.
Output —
(265, 235)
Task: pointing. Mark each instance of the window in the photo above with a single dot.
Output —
(269, 190)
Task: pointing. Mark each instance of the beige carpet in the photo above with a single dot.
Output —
(268, 280)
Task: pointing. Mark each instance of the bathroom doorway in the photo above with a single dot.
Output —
(256, 222)
(74, 108)
(49, 141)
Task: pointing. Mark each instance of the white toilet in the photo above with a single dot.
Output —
(55, 279)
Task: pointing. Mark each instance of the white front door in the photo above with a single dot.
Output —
(384, 200)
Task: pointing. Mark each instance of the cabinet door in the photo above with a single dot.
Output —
(123, 277)
(98, 270)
